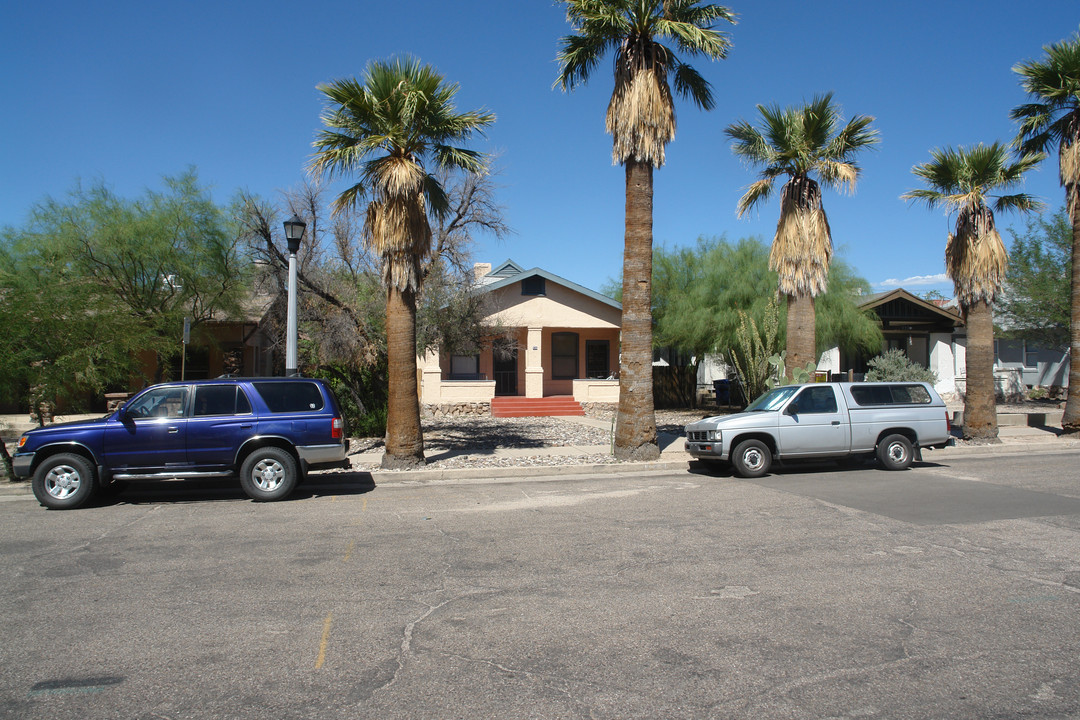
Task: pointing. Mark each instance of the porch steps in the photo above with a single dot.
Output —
(553, 406)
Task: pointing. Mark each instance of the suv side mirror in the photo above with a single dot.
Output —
(793, 408)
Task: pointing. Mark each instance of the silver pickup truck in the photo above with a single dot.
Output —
(892, 420)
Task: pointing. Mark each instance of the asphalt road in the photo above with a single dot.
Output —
(951, 590)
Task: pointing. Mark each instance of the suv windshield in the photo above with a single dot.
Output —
(773, 399)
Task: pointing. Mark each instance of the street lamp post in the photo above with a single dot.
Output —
(294, 232)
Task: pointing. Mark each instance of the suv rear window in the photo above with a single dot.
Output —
(283, 397)
(890, 395)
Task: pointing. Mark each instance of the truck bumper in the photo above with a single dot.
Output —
(705, 450)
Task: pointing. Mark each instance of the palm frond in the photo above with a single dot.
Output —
(756, 193)
(641, 115)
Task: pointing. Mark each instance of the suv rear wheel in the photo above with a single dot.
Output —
(64, 481)
(268, 473)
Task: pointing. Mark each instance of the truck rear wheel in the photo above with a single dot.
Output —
(895, 452)
(751, 458)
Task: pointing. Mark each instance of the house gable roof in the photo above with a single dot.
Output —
(900, 308)
(510, 272)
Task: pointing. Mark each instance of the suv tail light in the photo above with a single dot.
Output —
(948, 422)
(336, 426)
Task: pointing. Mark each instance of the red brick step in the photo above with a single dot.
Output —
(552, 406)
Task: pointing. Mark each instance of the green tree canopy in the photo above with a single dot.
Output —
(99, 278)
(1034, 304)
(700, 290)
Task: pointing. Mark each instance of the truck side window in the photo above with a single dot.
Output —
(817, 400)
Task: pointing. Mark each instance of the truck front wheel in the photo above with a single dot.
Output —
(895, 452)
(751, 458)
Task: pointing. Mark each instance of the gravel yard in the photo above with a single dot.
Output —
(471, 442)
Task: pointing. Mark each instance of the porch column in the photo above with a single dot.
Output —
(534, 363)
(430, 378)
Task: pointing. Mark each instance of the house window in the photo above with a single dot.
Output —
(597, 353)
(564, 356)
(533, 285)
(465, 367)
(1031, 357)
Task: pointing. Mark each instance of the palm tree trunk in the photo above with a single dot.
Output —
(801, 343)
(404, 438)
(1070, 419)
(635, 430)
(980, 406)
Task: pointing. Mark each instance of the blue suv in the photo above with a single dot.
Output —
(270, 431)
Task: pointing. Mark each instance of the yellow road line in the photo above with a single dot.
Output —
(349, 549)
(325, 639)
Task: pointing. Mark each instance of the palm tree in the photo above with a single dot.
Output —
(975, 257)
(800, 142)
(384, 127)
(1054, 117)
(641, 119)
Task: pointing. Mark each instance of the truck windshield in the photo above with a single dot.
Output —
(773, 399)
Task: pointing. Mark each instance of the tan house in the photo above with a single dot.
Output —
(558, 341)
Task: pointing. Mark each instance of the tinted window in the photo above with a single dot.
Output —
(220, 400)
(890, 394)
(290, 396)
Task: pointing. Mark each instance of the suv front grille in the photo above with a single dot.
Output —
(698, 435)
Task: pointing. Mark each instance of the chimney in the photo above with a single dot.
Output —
(479, 270)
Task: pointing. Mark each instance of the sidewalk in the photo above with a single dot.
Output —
(1015, 435)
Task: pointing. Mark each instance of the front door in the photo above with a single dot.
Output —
(504, 366)
(152, 432)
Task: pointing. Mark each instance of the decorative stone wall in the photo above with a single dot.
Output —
(462, 409)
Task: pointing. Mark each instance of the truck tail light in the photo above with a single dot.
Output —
(336, 426)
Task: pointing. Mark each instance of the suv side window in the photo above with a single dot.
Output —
(166, 402)
(220, 400)
(283, 397)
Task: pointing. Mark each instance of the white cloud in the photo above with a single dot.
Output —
(916, 280)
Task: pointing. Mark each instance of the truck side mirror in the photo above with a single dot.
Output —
(792, 409)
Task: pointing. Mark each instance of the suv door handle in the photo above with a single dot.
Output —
(835, 422)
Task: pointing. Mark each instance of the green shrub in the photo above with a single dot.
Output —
(895, 366)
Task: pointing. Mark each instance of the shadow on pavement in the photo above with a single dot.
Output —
(140, 492)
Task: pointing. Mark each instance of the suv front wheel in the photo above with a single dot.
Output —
(64, 481)
(268, 473)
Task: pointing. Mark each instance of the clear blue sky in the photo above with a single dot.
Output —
(130, 91)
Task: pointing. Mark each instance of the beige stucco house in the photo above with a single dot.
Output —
(557, 339)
